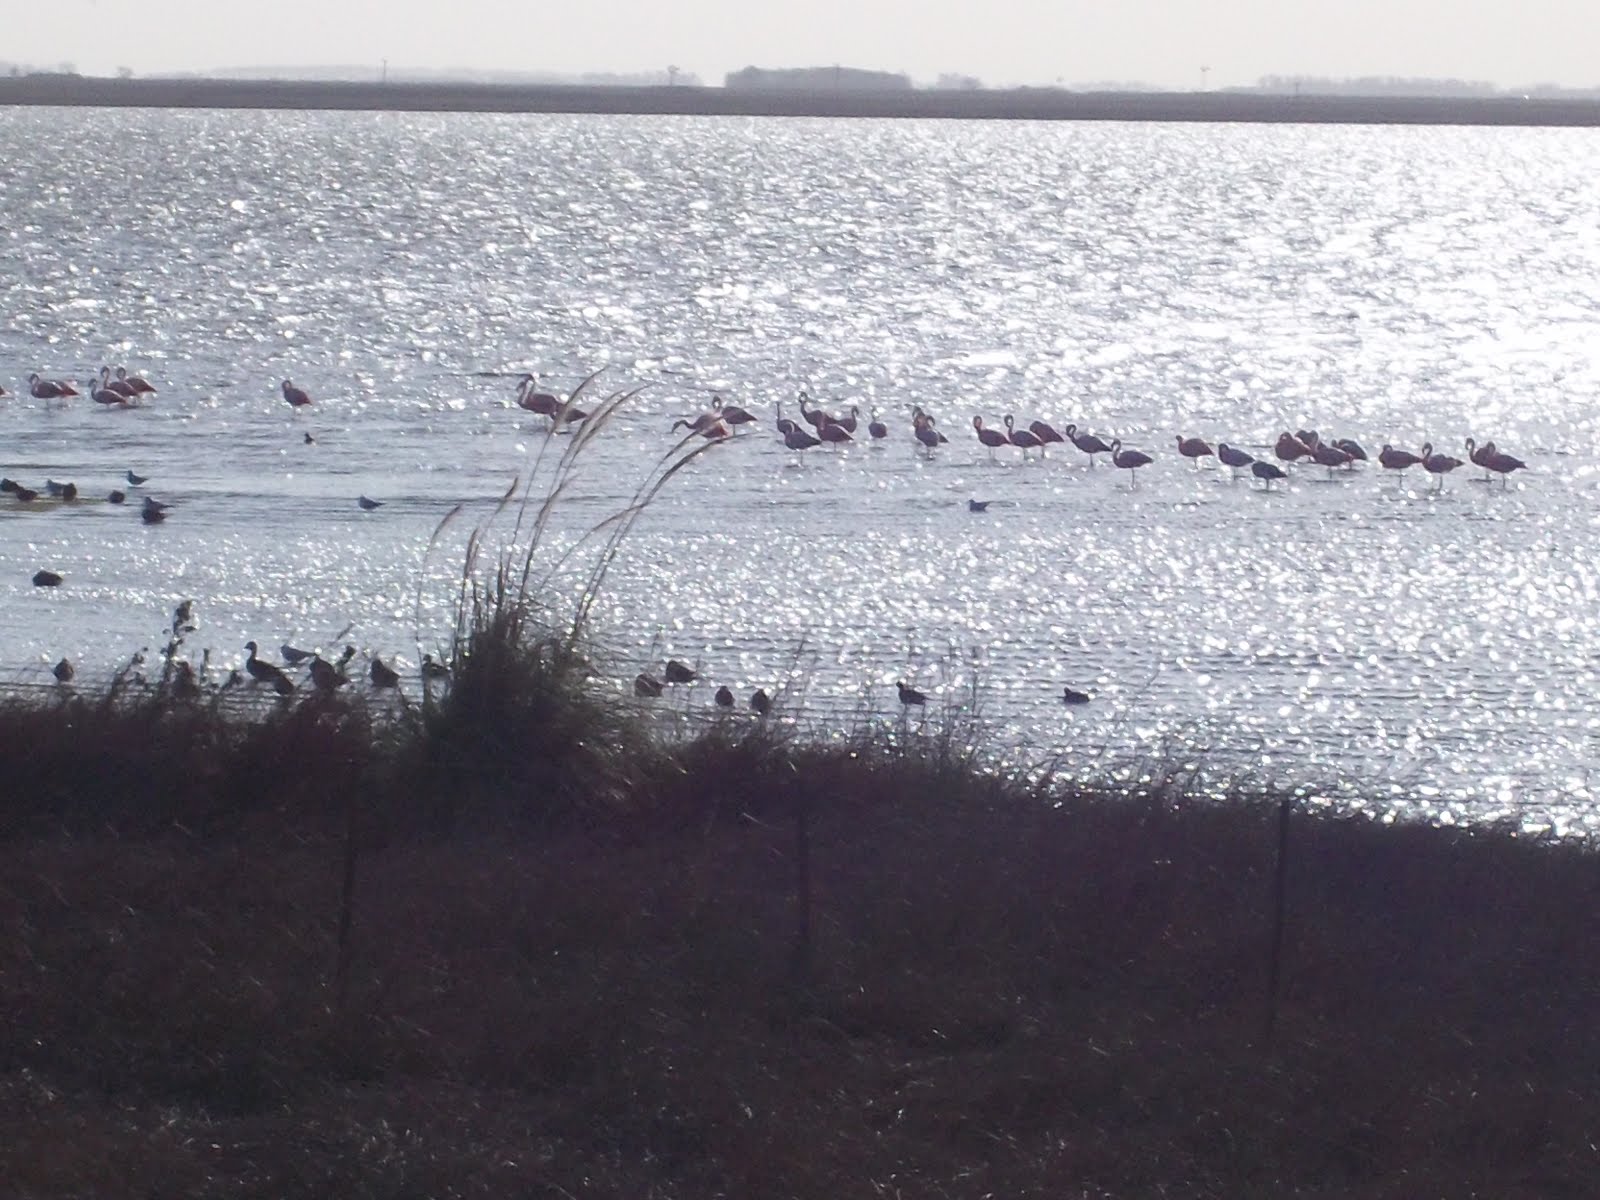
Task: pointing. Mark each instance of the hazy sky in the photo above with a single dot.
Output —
(1161, 42)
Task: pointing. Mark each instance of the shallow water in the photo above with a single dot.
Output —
(1391, 285)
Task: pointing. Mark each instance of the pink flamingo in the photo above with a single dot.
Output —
(1129, 460)
(1087, 442)
(1023, 439)
(1194, 449)
(991, 438)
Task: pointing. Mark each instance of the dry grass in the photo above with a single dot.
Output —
(1003, 997)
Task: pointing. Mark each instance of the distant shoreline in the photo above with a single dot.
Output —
(1040, 104)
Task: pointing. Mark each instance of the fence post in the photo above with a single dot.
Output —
(802, 859)
(1280, 890)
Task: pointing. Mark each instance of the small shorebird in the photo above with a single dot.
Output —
(646, 686)
(262, 671)
(136, 480)
(910, 697)
(760, 702)
(367, 505)
(877, 429)
(677, 672)
(46, 579)
(325, 677)
(382, 674)
(292, 656)
(724, 697)
(63, 671)
(1071, 695)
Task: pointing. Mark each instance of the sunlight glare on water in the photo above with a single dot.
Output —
(1390, 285)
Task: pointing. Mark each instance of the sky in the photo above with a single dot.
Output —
(1159, 42)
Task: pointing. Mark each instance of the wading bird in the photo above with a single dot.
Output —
(910, 697)
(1233, 458)
(260, 670)
(296, 397)
(49, 389)
(1194, 449)
(382, 674)
(731, 415)
(1267, 472)
(1438, 465)
(1397, 461)
(1129, 460)
(1023, 439)
(140, 385)
(1290, 448)
(1045, 432)
(1087, 442)
(991, 438)
(120, 386)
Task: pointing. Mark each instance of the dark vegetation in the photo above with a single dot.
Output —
(498, 937)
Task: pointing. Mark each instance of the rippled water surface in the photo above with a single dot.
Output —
(1391, 285)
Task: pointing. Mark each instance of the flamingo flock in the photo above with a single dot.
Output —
(1300, 447)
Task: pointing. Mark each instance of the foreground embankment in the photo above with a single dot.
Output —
(1028, 104)
(492, 946)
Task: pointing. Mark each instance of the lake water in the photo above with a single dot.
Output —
(1387, 284)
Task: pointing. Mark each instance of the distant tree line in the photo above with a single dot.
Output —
(819, 79)
(1395, 85)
